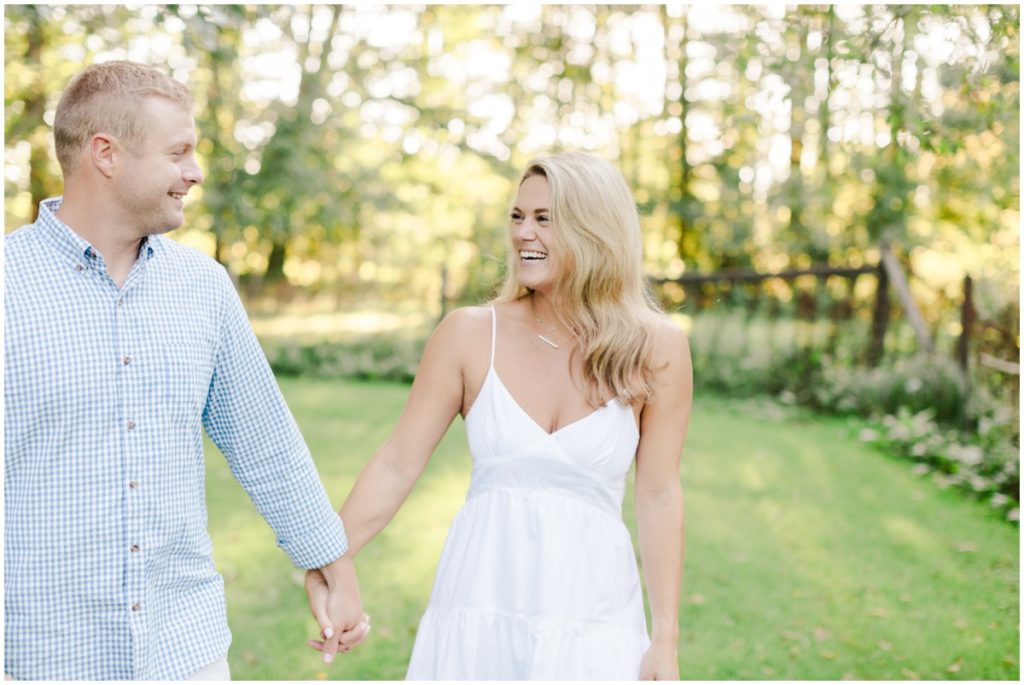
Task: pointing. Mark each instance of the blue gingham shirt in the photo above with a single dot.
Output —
(108, 567)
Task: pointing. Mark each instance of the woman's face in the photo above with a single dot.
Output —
(533, 236)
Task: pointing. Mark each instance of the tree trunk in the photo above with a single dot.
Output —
(879, 319)
(824, 114)
(967, 317)
(795, 196)
(35, 107)
(275, 263)
(686, 198)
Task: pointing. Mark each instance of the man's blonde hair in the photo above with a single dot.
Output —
(107, 98)
(602, 294)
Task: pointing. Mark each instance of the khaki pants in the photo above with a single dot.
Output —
(218, 670)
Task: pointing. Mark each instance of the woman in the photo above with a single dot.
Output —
(570, 376)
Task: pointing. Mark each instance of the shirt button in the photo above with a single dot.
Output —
(79, 267)
(136, 606)
(133, 484)
(126, 361)
(134, 548)
(131, 425)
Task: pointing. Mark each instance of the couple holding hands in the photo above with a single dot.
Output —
(121, 346)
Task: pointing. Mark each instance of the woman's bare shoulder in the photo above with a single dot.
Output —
(465, 321)
(671, 346)
(462, 336)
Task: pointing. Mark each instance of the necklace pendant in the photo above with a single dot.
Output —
(547, 341)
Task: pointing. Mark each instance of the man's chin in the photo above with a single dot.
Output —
(166, 226)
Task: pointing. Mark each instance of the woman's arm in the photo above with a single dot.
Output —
(659, 498)
(385, 482)
(434, 401)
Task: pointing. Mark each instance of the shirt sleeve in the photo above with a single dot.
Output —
(247, 418)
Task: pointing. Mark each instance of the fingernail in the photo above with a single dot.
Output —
(328, 632)
(328, 658)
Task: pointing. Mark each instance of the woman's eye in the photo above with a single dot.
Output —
(516, 217)
(543, 219)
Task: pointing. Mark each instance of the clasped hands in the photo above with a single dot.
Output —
(333, 593)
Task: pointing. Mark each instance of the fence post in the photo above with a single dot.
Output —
(967, 316)
(913, 314)
(880, 318)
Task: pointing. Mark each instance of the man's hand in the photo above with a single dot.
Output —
(333, 593)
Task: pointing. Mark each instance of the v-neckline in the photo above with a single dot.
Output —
(494, 372)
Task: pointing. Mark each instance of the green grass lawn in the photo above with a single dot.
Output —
(809, 554)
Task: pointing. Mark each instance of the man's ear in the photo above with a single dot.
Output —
(102, 151)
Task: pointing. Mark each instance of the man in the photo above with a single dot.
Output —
(120, 344)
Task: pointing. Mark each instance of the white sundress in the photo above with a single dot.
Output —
(538, 579)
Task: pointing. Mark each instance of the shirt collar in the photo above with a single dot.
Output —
(71, 244)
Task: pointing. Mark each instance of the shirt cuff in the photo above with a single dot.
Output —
(321, 548)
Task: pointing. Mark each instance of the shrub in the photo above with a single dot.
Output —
(954, 458)
(388, 358)
(916, 384)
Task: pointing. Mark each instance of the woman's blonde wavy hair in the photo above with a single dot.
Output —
(602, 296)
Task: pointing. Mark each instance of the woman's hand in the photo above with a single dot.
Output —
(661, 662)
(333, 593)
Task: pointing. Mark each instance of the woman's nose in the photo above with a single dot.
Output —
(526, 230)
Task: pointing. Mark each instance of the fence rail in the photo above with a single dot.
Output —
(880, 310)
(752, 276)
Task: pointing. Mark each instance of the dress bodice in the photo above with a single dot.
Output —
(588, 458)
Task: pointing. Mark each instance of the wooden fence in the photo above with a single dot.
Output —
(889, 277)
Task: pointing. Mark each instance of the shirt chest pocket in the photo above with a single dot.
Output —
(187, 373)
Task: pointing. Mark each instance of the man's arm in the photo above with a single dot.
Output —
(247, 418)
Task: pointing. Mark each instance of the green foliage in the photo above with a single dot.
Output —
(378, 357)
(987, 467)
(921, 383)
(820, 364)
(359, 148)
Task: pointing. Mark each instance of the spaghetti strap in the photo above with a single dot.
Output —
(494, 332)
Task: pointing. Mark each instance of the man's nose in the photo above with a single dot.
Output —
(191, 173)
